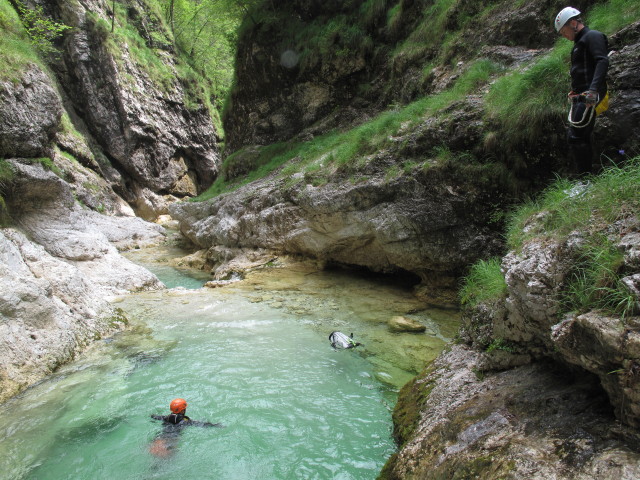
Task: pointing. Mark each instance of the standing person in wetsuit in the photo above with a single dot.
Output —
(589, 65)
(166, 441)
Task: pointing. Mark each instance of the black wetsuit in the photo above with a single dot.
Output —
(166, 441)
(589, 65)
(180, 420)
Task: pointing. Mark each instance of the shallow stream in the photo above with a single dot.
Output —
(254, 356)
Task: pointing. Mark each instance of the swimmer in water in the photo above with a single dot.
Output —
(165, 443)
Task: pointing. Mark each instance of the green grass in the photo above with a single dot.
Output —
(126, 36)
(612, 195)
(428, 33)
(523, 102)
(47, 164)
(484, 282)
(16, 50)
(320, 41)
(347, 151)
(596, 281)
(500, 344)
(612, 16)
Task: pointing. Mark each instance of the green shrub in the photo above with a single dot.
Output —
(42, 31)
(484, 282)
(371, 11)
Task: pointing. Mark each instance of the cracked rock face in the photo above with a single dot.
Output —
(145, 128)
(401, 225)
(30, 113)
(531, 318)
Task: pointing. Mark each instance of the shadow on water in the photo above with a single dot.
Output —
(138, 345)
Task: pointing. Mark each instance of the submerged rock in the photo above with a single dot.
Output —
(404, 324)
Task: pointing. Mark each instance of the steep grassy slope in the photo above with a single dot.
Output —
(380, 71)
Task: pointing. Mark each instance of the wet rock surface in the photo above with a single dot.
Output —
(535, 421)
(404, 324)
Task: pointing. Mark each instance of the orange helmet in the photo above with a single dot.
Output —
(179, 405)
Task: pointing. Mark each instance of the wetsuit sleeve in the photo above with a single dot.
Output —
(598, 49)
(157, 417)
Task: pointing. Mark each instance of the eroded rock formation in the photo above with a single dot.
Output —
(427, 225)
(536, 421)
(81, 152)
(59, 264)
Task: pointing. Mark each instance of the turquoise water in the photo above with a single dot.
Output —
(253, 356)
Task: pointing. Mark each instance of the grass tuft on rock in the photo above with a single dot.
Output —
(567, 206)
(484, 282)
(586, 209)
(349, 150)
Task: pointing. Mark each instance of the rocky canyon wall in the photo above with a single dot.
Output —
(87, 141)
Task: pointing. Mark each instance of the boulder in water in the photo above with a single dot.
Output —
(404, 324)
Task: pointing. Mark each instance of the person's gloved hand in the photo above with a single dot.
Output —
(590, 98)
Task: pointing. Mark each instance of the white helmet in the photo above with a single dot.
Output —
(564, 16)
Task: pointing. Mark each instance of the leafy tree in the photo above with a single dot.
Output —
(42, 31)
(205, 31)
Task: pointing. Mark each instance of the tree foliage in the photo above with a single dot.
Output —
(205, 31)
(42, 30)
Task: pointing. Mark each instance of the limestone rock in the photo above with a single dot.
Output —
(197, 260)
(528, 422)
(303, 89)
(30, 113)
(610, 349)
(620, 124)
(50, 310)
(405, 224)
(57, 272)
(219, 283)
(534, 278)
(530, 318)
(144, 128)
(404, 324)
